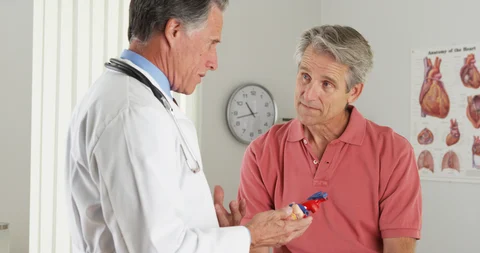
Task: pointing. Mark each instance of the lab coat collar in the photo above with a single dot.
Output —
(178, 112)
(160, 78)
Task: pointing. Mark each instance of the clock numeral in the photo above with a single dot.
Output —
(235, 113)
(266, 124)
(244, 130)
(254, 93)
(240, 103)
(238, 123)
(259, 131)
(245, 95)
(269, 114)
(266, 104)
(251, 134)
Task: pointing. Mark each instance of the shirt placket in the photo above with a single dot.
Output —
(311, 159)
(324, 165)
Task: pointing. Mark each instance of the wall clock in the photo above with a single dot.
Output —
(251, 111)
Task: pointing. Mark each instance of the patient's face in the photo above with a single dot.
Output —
(321, 90)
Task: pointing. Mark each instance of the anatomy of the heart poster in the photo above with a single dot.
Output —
(445, 112)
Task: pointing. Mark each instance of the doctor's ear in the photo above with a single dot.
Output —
(173, 30)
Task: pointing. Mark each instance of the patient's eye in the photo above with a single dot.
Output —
(327, 84)
(306, 77)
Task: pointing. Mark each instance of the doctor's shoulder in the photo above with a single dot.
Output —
(115, 96)
(117, 92)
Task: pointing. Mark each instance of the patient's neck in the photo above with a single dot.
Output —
(320, 135)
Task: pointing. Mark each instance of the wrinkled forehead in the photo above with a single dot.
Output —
(321, 62)
(314, 51)
(214, 24)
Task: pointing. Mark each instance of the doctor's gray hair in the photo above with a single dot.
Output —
(149, 16)
(345, 44)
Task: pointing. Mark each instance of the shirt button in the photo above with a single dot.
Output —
(315, 162)
(304, 141)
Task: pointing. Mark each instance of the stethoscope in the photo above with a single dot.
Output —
(120, 66)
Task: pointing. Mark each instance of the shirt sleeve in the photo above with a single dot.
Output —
(400, 193)
(252, 187)
(137, 161)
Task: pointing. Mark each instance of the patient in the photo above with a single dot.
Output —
(369, 171)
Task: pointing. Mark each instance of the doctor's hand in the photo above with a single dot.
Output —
(226, 219)
(275, 228)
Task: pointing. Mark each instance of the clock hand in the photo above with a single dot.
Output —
(250, 109)
(247, 115)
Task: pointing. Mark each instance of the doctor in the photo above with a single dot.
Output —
(135, 182)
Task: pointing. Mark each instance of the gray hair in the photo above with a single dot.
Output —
(150, 16)
(345, 44)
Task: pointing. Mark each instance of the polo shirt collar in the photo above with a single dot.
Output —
(353, 134)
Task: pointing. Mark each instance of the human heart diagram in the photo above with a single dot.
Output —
(434, 100)
(450, 161)
(454, 135)
(445, 111)
(425, 161)
(469, 73)
(476, 152)
(473, 110)
(425, 137)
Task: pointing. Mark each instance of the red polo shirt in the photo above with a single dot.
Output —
(369, 173)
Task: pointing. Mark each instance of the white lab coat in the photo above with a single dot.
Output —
(128, 186)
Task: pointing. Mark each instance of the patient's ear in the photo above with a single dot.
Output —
(355, 92)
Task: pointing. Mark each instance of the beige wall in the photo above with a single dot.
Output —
(15, 102)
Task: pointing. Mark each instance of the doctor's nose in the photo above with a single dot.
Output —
(212, 62)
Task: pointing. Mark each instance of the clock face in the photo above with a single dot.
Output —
(251, 111)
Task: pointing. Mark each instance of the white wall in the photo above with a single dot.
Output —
(451, 210)
(15, 103)
(258, 44)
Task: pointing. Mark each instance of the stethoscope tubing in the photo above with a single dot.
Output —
(120, 66)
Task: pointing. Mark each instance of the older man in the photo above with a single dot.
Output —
(368, 170)
(135, 181)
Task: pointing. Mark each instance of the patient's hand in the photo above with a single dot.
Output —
(226, 219)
